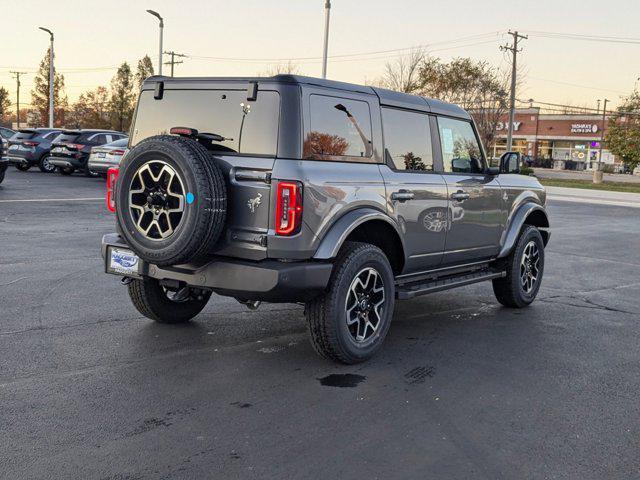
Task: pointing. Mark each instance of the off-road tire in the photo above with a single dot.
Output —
(151, 300)
(23, 167)
(204, 219)
(42, 165)
(326, 314)
(66, 171)
(509, 290)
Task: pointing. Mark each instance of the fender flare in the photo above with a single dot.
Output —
(514, 227)
(347, 223)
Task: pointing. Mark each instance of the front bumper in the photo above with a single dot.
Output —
(266, 280)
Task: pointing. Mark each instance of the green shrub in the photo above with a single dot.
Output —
(526, 171)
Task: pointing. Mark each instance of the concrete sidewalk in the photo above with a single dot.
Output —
(582, 175)
(599, 197)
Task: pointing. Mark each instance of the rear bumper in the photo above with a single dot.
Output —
(17, 160)
(77, 163)
(100, 165)
(266, 280)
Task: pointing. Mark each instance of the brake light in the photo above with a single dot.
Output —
(30, 144)
(75, 146)
(116, 152)
(112, 177)
(288, 208)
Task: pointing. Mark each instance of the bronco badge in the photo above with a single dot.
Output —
(254, 203)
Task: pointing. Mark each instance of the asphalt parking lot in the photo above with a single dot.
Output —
(462, 389)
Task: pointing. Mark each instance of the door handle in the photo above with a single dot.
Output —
(402, 195)
(460, 196)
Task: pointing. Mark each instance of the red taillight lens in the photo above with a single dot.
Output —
(116, 152)
(30, 144)
(75, 146)
(112, 177)
(288, 208)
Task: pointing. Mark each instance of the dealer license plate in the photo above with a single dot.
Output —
(123, 262)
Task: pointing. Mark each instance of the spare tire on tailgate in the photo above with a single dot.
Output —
(171, 200)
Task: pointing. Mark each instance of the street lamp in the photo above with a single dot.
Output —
(327, 12)
(50, 76)
(157, 15)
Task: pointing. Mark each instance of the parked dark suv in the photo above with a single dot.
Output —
(342, 197)
(31, 146)
(71, 149)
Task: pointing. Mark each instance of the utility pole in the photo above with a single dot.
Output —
(598, 110)
(327, 13)
(597, 173)
(173, 61)
(512, 100)
(17, 77)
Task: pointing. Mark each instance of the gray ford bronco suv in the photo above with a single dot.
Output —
(342, 197)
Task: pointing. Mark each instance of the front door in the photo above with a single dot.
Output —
(475, 197)
(416, 194)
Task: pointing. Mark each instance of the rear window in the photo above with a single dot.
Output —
(249, 127)
(67, 137)
(118, 143)
(23, 135)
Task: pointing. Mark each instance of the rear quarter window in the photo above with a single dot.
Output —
(340, 129)
(249, 127)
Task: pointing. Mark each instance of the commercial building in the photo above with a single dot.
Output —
(565, 140)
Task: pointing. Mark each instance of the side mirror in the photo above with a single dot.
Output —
(510, 162)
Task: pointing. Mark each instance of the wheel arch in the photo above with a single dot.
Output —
(529, 213)
(364, 225)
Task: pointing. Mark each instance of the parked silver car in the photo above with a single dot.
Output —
(106, 156)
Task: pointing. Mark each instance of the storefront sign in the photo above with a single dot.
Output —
(584, 128)
(505, 126)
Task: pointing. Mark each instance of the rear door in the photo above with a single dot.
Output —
(246, 155)
(475, 197)
(416, 194)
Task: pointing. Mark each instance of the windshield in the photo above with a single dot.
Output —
(248, 127)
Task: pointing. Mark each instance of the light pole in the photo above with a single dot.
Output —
(51, 75)
(157, 15)
(327, 12)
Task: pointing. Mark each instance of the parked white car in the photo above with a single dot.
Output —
(106, 156)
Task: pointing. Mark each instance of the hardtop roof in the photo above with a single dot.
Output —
(387, 97)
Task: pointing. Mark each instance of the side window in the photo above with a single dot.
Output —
(407, 139)
(461, 152)
(339, 128)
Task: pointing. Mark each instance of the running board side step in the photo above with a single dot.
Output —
(416, 289)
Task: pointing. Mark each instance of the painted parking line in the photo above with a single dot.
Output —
(53, 200)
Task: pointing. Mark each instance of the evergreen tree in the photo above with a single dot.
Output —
(121, 103)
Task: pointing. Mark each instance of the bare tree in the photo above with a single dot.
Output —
(474, 85)
(403, 73)
(284, 68)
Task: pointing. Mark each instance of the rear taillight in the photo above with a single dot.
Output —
(288, 208)
(30, 144)
(112, 177)
(75, 146)
(115, 152)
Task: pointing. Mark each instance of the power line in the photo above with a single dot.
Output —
(590, 38)
(349, 55)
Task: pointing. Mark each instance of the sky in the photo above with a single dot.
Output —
(246, 36)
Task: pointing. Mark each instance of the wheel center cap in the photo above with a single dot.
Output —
(156, 199)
